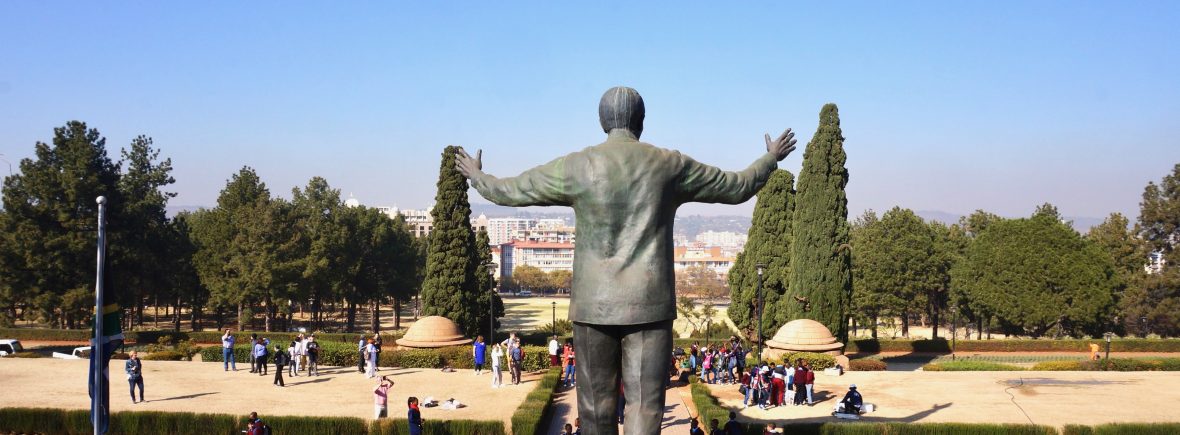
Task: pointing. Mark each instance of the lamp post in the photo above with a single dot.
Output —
(1108, 336)
(760, 267)
(554, 303)
(1143, 326)
(954, 330)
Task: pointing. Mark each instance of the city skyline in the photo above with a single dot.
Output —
(948, 108)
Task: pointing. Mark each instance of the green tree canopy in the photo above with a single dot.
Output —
(768, 243)
(821, 270)
(1037, 275)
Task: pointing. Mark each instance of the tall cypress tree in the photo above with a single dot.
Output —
(821, 273)
(451, 286)
(769, 244)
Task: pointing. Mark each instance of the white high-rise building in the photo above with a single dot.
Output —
(724, 239)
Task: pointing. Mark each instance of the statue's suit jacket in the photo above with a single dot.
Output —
(625, 194)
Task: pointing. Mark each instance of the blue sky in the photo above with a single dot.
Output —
(950, 106)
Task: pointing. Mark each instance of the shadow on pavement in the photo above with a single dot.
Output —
(190, 396)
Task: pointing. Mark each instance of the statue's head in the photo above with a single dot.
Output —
(621, 107)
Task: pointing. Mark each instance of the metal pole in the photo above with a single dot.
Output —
(554, 318)
(760, 309)
(1108, 334)
(97, 351)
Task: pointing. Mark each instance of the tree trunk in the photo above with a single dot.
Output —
(350, 322)
(375, 322)
(239, 318)
(934, 318)
(979, 330)
(397, 314)
(874, 326)
(315, 313)
(270, 314)
(905, 323)
(176, 315)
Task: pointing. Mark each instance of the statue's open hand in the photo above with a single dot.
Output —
(468, 165)
(782, 146)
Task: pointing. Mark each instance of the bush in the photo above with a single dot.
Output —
(1011, 345)
(1113, 365)
(532, 415)
(564, 327)
(203, 337)
(60, 421)
(817, 361)
(343, 354)
(164, 355)
(867, 365)
(1123, 429)
(969, 366)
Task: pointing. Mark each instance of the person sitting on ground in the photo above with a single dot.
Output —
(851, 403)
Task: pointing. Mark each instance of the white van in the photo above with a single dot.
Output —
(9, 347)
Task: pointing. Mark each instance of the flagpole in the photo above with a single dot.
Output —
(98, 349)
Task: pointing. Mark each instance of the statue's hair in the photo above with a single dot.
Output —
(621, 107)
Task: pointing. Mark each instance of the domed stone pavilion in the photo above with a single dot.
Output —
(804, 335)
(433, 331)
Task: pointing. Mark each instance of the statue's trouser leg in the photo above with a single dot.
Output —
(642, 354)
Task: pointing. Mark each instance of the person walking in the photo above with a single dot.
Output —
(516, 354)
(554, 360)
(253, 360)
(571, 364)
(293, 353)
(227, 351)
(497, 376)
(360, 350)
(810, 383)
(381, 397)
(281, 360)
(313, 356)
(479, 354)
(414, 416)
(377, 350)
(800, 385)
(134, 368)
(260, 357)
(371, 359)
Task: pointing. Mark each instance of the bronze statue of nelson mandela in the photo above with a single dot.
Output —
(625, 194)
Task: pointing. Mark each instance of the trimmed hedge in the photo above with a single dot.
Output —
(1122, 429)
(970, 366)
(1113, 365)
(867, 365)
(345, 354)
(817, 361)
(204, 337)
(51, 421)
(532, 415)
(1009, 345)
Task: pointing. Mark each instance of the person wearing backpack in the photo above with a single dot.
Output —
(281, 361)
(517, 356)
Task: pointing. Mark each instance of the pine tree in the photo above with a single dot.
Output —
(821, 270)
(769, 243)
(451, 286)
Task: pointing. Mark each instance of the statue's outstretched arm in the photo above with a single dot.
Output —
(704, 183)
(542, 185)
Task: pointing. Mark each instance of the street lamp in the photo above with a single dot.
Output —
(554, 303)
(760, 267)
(1108, 336)
(1143, 326)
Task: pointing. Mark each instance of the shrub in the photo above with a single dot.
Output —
(1113, 365)
(164, 355)
(531, 416)
(203, 337)
(866, 365)
(969, 366)
(1124, 429)
(1011, 345)
(564, 327)
(1058, 366)
(817, 361)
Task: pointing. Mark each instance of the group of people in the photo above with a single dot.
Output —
(302, 354)
(766, 385)
(719, 364)
(369, 349)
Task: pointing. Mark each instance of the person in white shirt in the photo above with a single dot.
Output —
(292, 352)
(497, 378)
(554, 361)
(371, 352)
(300, 353)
